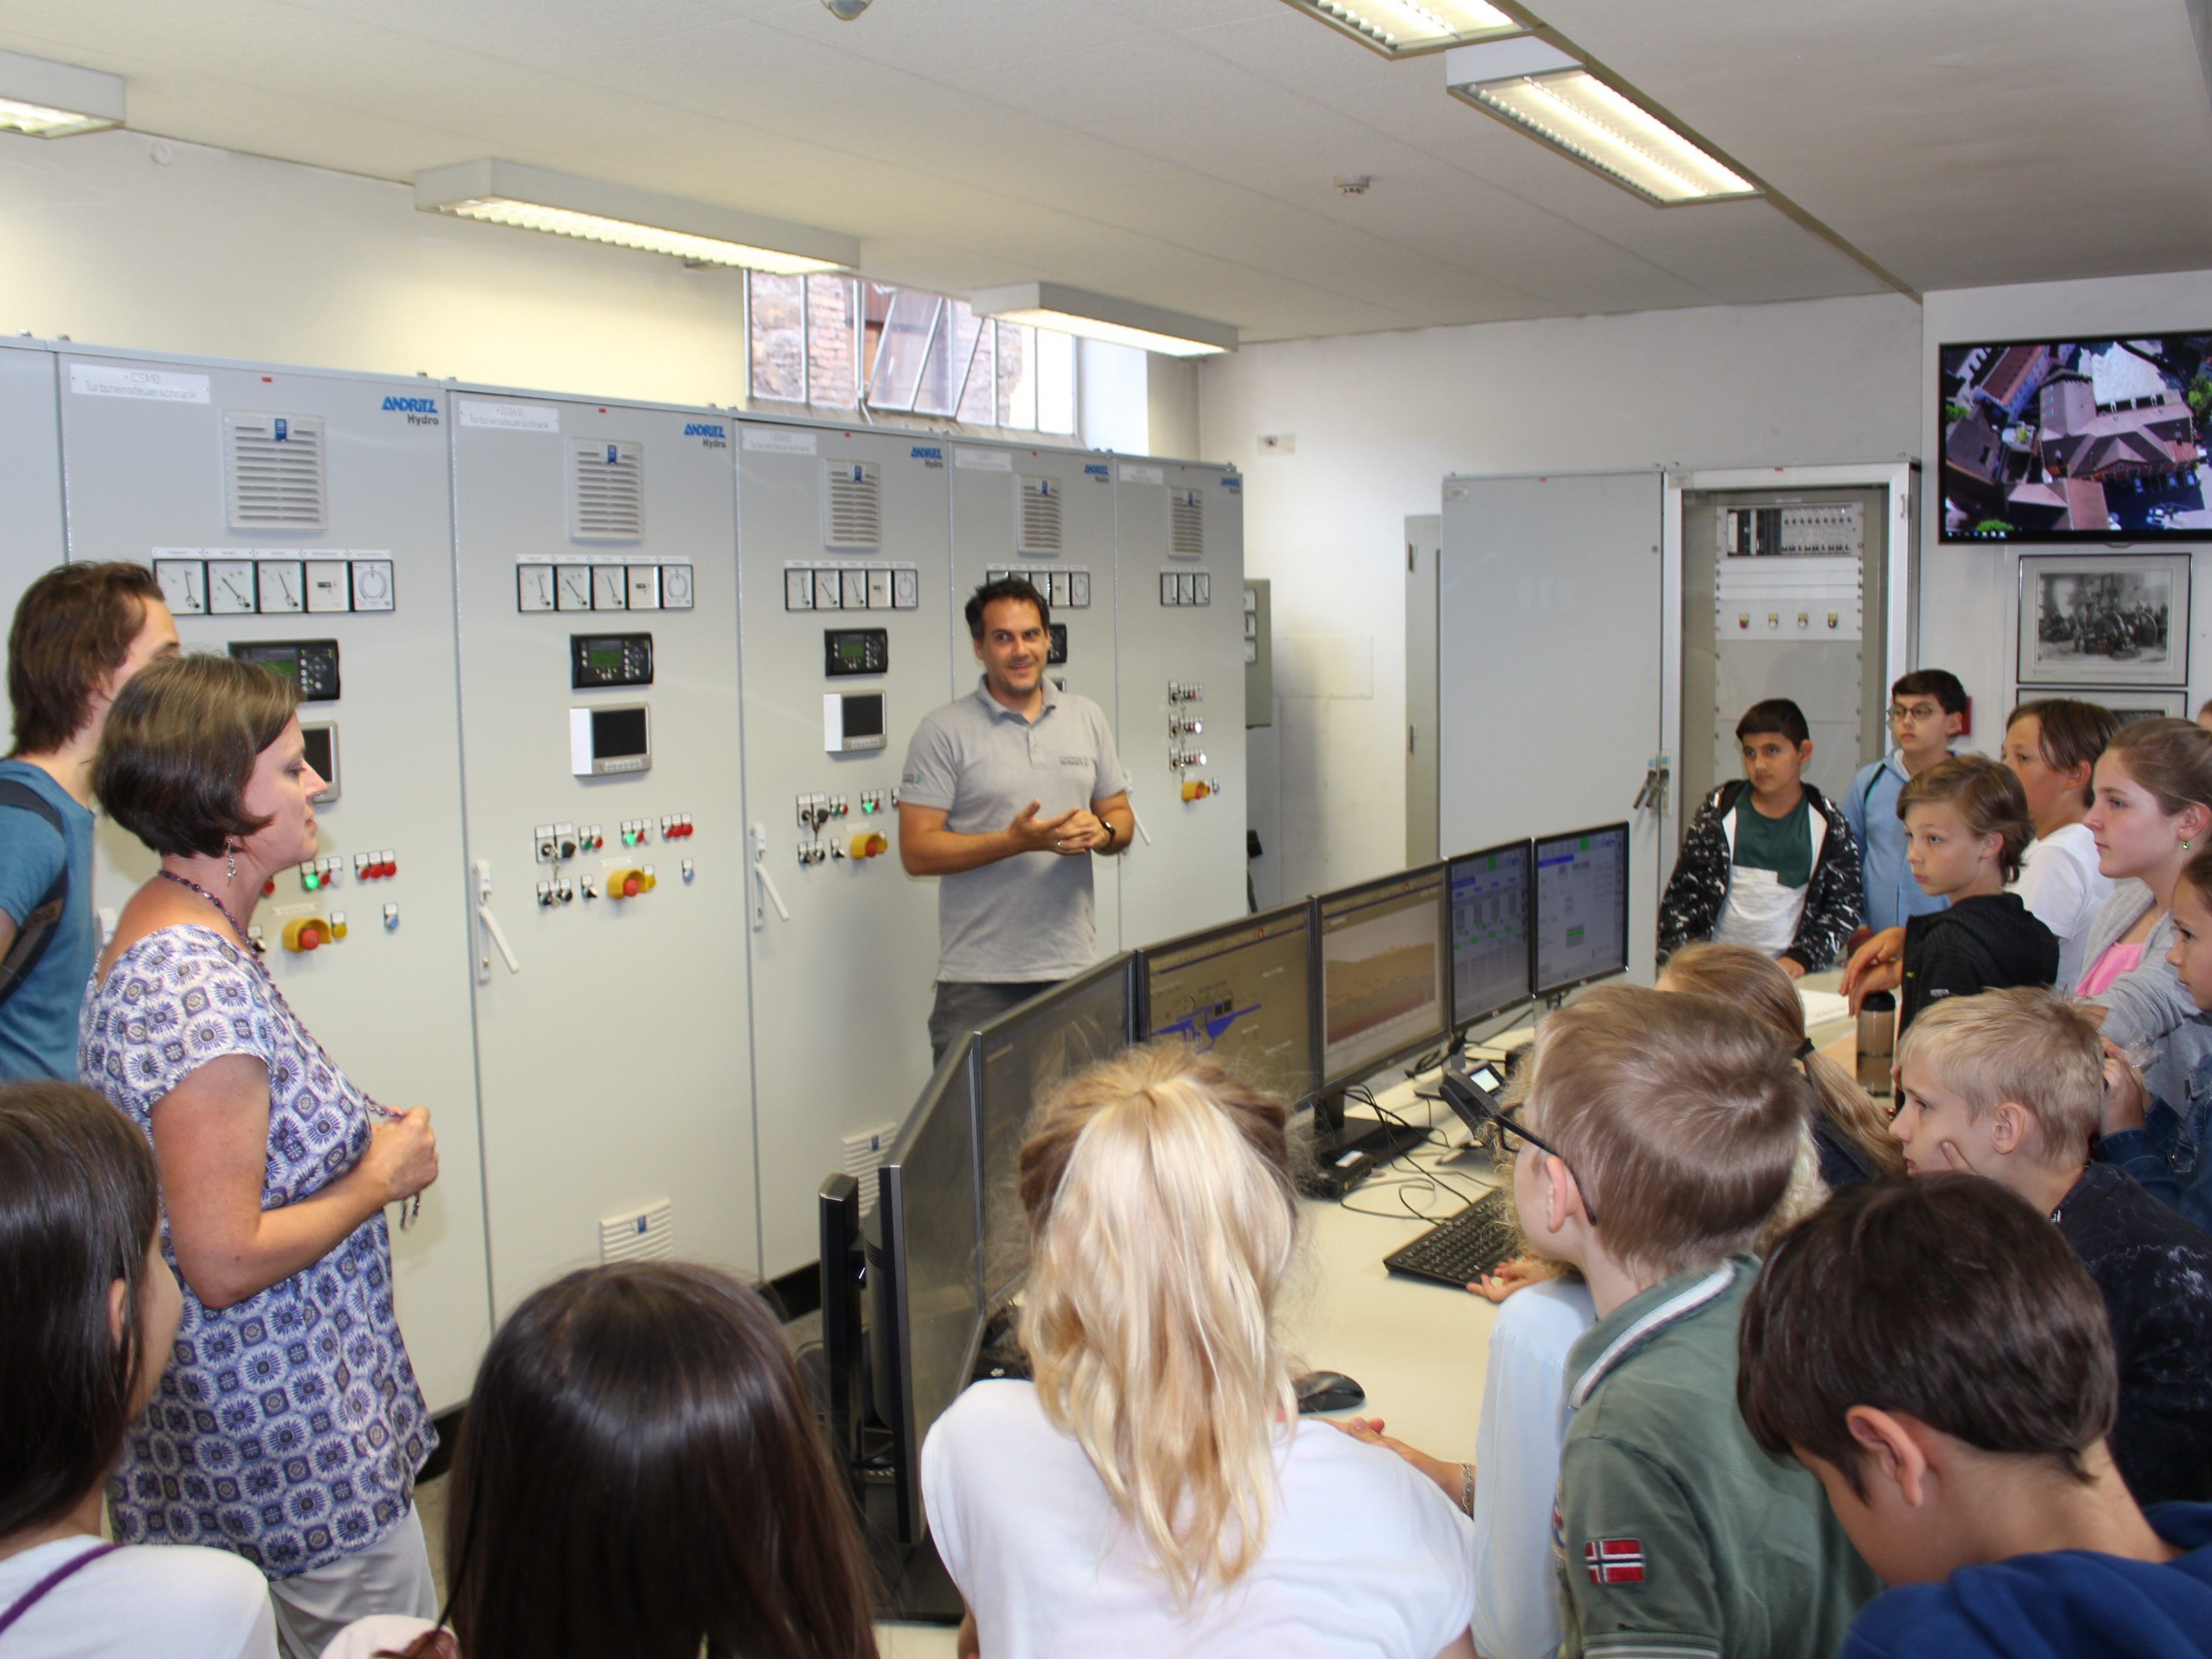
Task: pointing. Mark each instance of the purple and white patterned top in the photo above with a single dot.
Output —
(288, 1427)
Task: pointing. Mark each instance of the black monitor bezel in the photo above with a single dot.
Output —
(894, 1326)
(1124, 964)
(1336, 1083)
(1142, 988)
(1627, 872)
(1527, 933)
(2170, 539)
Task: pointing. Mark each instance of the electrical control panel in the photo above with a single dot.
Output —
(844, 943)
(305, 517)
(607, 938)
(1179, 532)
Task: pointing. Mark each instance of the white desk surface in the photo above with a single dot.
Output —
(1418, 1349)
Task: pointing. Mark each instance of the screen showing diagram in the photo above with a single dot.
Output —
(1489, 932)
(1241, 993)
(1581, 907)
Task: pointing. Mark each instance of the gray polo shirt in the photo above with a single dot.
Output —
(1026, 918)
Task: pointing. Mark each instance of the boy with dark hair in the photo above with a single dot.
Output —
(1926, 711)
(1935, 1354)
(1662, 1131)
(2008, 1085)
(1766, 861)
(80, 631)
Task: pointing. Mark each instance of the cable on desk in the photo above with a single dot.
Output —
(1428, 1180)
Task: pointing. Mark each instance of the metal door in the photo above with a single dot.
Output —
(31, 538)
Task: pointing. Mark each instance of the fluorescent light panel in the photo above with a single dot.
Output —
(1407, 28)
(45, 100)
(1103, 317)
(1550, 95)
(534, 198)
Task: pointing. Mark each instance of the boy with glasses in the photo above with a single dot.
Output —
(1927, 711)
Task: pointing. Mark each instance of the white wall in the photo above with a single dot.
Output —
(1379, 419)
(1969, 602)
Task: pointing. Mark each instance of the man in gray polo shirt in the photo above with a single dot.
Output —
(1007, 793)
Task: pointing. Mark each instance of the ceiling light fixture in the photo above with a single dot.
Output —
(535, 198)
(1407, 28)
(47, 99)
(1553, 97)
(1102, 317)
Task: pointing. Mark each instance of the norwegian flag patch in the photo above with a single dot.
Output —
(1614, 1560)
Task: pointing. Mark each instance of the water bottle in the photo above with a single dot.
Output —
(1877, 1042)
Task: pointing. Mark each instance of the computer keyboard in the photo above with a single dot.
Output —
(1459, 1251)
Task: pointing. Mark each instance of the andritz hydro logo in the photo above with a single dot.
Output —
(419, 411)
(715, 431)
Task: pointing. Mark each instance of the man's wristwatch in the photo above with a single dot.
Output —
(1111, 834)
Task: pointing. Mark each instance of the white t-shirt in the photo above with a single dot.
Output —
(1517, 1461)
(1362, 1556)
(2061, 885)
(178, 1601)
(381, 1632)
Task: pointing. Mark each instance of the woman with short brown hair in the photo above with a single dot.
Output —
(288, 1427)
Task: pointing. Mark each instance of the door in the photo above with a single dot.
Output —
(30, 476)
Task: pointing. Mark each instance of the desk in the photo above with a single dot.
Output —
(1418, 1349)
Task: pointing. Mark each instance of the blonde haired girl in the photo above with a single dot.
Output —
(1153, 1492)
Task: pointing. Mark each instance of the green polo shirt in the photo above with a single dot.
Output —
(1678, 1537)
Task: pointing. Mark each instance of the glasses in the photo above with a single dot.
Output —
(1919, 711)
(1512, 1132)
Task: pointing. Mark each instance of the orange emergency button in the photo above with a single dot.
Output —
(870, 845)
(629, 883)
(307, 933)
(1193, 790)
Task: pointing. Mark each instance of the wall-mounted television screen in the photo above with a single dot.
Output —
(2076, 440)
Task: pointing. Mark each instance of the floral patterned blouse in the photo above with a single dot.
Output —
(288, 1427)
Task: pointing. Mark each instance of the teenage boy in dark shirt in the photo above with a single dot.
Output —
(1936, 1356)
(2007, 1085)
(1767, 861)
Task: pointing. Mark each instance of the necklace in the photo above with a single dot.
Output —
(413, 1207)
(236, 926)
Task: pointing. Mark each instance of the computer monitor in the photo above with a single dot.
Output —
(1242, 991)
(1491, 968)
(1384, 972)
(1020, 1055)
(925, 1272)
(1582, 907)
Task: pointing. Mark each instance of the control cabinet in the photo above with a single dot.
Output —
(302, 519)
(1179, 575)
(598, 623)
(31, 539)
(842, 561)
(1046, 515)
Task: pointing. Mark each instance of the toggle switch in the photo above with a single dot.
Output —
(869, 844)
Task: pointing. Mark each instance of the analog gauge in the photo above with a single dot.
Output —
(283, 587)
(329, 585)
(1078, 590)
(676, 587)
(183, 586)
(372, 584)
(610, 587)
(533, 587)
(572, 587)
(906, 589)
(644, 586)
(230, 588)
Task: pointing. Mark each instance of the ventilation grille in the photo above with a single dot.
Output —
(853, 515)
(646, 1235)
(1186, 524)
(273, 466)
(1041, 509)
(606, 490)
(863, 1156)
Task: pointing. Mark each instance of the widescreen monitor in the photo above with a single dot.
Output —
(927, 1270)
(1582, 907)
(1242, 991)
(1492, 965)
(1384, 972)
(1021, 1054)
(2093, 439)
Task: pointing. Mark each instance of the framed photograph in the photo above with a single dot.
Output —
(2126, 703)
(2104, 620)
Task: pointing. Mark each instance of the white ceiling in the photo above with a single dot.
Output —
(1180, 152)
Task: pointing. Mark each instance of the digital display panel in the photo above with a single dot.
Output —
(1581, 907)
(1242, 994)
(1490, 903)
(1383, 965)
(617, 733)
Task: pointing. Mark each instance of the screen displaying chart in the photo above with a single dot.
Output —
(1241, 993)
(1489, 932)
(1581, 907)
(1382, 971)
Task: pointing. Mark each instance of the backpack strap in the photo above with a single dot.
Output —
(38, 928)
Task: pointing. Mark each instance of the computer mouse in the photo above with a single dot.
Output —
(1328, 1391)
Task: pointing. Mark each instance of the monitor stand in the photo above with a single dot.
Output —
(1345, 1153)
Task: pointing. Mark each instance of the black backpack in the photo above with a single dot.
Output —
(38, 927)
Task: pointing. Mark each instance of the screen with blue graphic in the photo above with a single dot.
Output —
(1241, 993)
(1489, 932)
(1582, 907)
